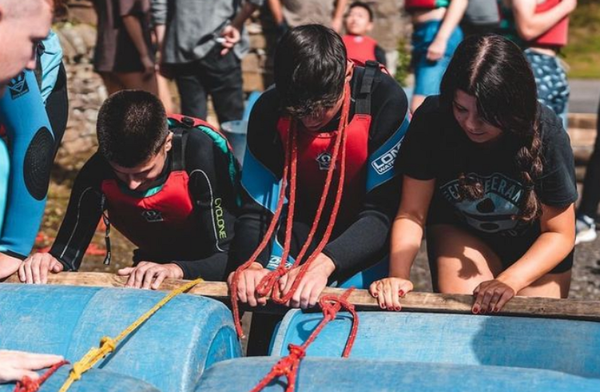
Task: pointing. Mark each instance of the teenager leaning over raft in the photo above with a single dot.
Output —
(320, 100)
(498, 170)
(168, 184)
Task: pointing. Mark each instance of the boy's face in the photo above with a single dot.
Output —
(140, 178)
(316, 121)
(358, 22)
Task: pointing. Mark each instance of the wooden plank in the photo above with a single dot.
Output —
(417, 302)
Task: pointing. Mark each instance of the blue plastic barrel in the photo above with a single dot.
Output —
(170, 351)
(351, 375)
(93, 381)
(563, 345)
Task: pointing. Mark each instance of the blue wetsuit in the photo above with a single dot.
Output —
(33, 112)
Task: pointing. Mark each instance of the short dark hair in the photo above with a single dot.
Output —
(364, 5)
(310, 68)
(494, 70)
(131, 127)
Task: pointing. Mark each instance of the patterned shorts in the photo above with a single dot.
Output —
(551, 79)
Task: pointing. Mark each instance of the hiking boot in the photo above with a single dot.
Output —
(585, 229)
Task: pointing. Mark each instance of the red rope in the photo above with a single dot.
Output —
(268, 284)
(288, 366)
(261, 246)
(29, 385)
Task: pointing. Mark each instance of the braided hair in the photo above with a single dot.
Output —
(494, 71)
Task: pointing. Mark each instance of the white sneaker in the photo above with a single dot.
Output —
(585, 229)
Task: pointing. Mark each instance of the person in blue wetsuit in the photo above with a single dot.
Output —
(22, 24)
(317, 91)
(33, 115)
(167, 184)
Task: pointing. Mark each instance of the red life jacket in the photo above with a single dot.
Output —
(161, 224)
(557, 35)
(315, 151)
(360, 48)
(413, 5)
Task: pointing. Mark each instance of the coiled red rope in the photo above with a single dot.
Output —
(288, 366)
(268, 285)
(29, 385)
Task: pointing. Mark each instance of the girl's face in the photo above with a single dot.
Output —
(465, 111)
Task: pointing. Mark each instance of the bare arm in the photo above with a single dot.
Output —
(134, 29)
(275, 7)
(232, 33)
(160, 31)
(453, 16)
(407, 233)
(338, 15)
(551, 247)
(531, 25)
(407, 230)
(247, 9)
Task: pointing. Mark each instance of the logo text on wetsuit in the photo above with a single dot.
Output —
(385, 163)
(324, 160)
(219, 218)
(18, 86)
(152, 216)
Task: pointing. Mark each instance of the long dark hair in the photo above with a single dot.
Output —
(495, 71)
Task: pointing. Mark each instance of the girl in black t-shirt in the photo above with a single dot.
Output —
(490, 174)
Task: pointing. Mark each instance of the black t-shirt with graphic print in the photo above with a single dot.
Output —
(436, 147)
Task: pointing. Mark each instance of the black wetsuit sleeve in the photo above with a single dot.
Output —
(213, 189)
(83, 214)
(363, 243)
(263, 167)
(57, 107)
(380, 56)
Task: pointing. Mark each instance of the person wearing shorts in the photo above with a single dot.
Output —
(490, 181)
(436, 35)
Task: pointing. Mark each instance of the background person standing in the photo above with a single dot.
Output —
(201, 45)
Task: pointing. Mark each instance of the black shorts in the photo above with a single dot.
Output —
(508, 248)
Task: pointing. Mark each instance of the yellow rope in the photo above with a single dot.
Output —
(108, 345)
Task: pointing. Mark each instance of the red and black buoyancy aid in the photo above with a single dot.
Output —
(557, 35)
(414, 5)
(360, 47)
(160, 222)
(315, 150)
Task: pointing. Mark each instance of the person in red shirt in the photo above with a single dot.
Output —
(358, 23)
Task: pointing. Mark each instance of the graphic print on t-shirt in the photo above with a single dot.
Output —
(494, 212)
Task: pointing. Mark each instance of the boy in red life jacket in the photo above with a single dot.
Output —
(325, 118)
(167, 184)
(358, 23)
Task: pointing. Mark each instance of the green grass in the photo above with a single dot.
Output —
(582, 53)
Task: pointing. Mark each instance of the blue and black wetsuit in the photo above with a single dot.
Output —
(33, 112)
(186, 217)
(371, 195)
